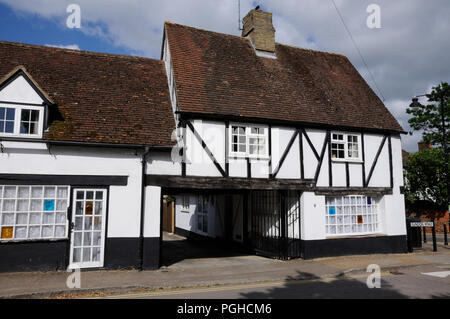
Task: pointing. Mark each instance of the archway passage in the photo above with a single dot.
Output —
(211, 224)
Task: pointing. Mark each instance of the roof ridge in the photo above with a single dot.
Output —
(205, 30)
(49, 47)
(311, 50)
(244, 38)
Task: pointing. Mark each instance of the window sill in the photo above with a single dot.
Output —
(252, 157)
(27, 136)
(35, 240)
(359, 235)
(355, 161)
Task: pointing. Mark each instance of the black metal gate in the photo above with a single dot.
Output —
(275, 228)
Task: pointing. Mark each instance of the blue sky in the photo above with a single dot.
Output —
(34, 29)
(407, 56)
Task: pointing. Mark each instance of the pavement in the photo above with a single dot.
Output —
(210, 269)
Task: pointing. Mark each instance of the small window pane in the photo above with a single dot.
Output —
(36, 192)
(49, 192)
(10, 192)
(24, 192)
(62, 192)
(21, 232)
(60, 218)
(35, 218)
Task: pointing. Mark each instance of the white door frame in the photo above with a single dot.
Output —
(88, 264)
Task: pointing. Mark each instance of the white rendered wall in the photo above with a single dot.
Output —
(152, 216)
(392, 206)
(160, 163)
(312, 209)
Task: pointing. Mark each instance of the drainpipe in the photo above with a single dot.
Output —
(141, 234)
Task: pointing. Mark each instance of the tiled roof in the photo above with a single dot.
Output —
(102, 98)
(220, 74)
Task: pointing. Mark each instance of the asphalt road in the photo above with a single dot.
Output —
(401, 283)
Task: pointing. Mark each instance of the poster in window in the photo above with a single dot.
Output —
(89, 208)
(49, 205)
(332, 210)
(360, 219)
(7, 232)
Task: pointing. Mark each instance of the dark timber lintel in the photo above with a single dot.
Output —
(227, 183)
(342, 191)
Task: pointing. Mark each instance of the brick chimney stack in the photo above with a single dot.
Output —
(259, 28)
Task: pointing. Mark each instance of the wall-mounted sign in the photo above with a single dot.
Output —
(49, 205)
(331, 210)
(7, 232)
(421, 224)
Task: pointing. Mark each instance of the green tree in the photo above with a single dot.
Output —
(428, 117)
(425, 177)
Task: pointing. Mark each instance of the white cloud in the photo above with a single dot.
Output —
(61, 46)
(407, 56)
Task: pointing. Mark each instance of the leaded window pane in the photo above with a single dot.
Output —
(354, 214)
(33, 212)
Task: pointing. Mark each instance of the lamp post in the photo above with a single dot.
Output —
(415, 103)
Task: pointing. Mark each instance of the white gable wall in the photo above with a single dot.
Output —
(20, 91)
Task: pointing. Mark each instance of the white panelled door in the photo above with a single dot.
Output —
(87, 239)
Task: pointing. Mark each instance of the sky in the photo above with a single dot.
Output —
(406, 56)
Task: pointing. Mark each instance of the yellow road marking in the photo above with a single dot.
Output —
(234, 287)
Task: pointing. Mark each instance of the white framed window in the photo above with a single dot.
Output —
(248, 140)
(345, 146)
(21, 120)
(202, 214)
(351, 215)
(33, 212)
(185, 203)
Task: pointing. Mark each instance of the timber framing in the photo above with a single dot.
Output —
(283, 123)
(343, 191)
(375, 161)
(322, 155)
(169, 181)
(300, 132)
(206, 148)
(286, 151)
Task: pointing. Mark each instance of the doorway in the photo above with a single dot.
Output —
(87, 238)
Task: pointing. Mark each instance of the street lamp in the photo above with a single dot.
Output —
(415, 103)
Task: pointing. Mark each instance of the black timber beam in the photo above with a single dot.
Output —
(168, 181)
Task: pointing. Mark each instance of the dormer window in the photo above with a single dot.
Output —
(21, 120)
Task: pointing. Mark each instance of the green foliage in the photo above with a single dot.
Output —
(425, 177)
(428, 117)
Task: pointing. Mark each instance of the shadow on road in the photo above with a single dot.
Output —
(340, 288)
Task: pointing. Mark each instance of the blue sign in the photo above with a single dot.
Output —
(49, 205)
(331, 210)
